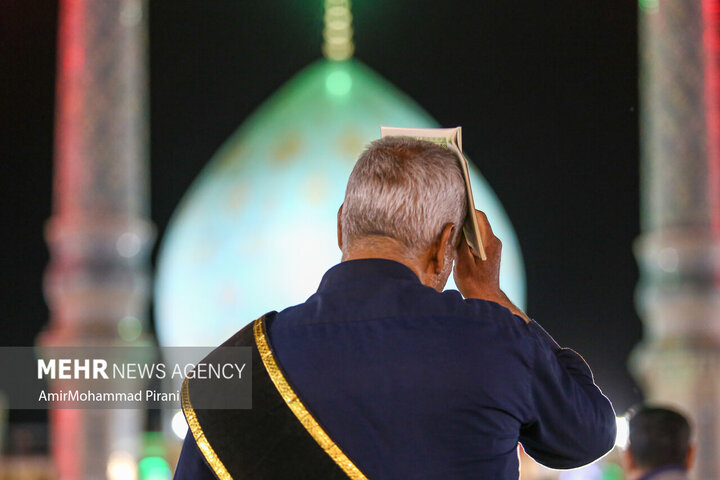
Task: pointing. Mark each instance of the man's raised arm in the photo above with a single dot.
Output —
(571, 423)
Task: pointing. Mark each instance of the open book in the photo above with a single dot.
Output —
(450, 138)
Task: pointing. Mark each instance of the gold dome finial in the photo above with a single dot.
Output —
(338, 31)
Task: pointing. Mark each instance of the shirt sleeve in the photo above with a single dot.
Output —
(191, 465)
(572, 423)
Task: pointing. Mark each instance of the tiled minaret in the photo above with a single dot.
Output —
(99, 234)
(678, 361)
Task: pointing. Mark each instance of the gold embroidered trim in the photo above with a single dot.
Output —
(202, 442)
(297, 407)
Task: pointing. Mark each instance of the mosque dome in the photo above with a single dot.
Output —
(257, 229)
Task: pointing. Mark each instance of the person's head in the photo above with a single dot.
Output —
(405, 200)
(659, 437)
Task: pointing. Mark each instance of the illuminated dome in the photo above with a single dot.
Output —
(257, 229)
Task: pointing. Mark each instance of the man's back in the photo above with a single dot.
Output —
(409, 382)
(412, 383)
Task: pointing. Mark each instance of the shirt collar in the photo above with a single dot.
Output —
(365, 268)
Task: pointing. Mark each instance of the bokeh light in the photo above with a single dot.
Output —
(121, 466)
(623, 432)
(129, 328)
(154, 468)
(338, 82)
(179, 425)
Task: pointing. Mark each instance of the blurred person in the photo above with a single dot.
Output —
(659, 445)
(381, 374)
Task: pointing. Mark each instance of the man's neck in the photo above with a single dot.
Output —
(386, 248)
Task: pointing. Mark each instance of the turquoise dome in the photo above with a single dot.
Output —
(257, 229)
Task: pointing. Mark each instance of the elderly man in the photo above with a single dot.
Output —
(382, 375)
(659, 445)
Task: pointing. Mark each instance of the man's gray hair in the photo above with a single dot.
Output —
(406, 189)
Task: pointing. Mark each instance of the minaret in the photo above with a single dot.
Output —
(678, 360)
(99, 234)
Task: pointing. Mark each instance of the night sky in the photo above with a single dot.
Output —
(546, 93)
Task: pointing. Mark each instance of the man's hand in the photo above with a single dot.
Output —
(480, 279)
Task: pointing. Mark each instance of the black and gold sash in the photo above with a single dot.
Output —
(277, 439)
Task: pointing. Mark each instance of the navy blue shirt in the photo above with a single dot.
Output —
(416, 384)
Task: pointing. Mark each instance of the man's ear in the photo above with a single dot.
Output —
(339, 227)
(443, 243)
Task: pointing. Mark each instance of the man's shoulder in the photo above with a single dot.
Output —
(484, 311)
(409, 307)
(665, 473)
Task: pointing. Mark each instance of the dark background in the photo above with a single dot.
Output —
(546, 93)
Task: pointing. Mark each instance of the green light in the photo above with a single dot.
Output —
(154, 468)
(129, 328)
(648, 6)
(338, 83)
(612, 471)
